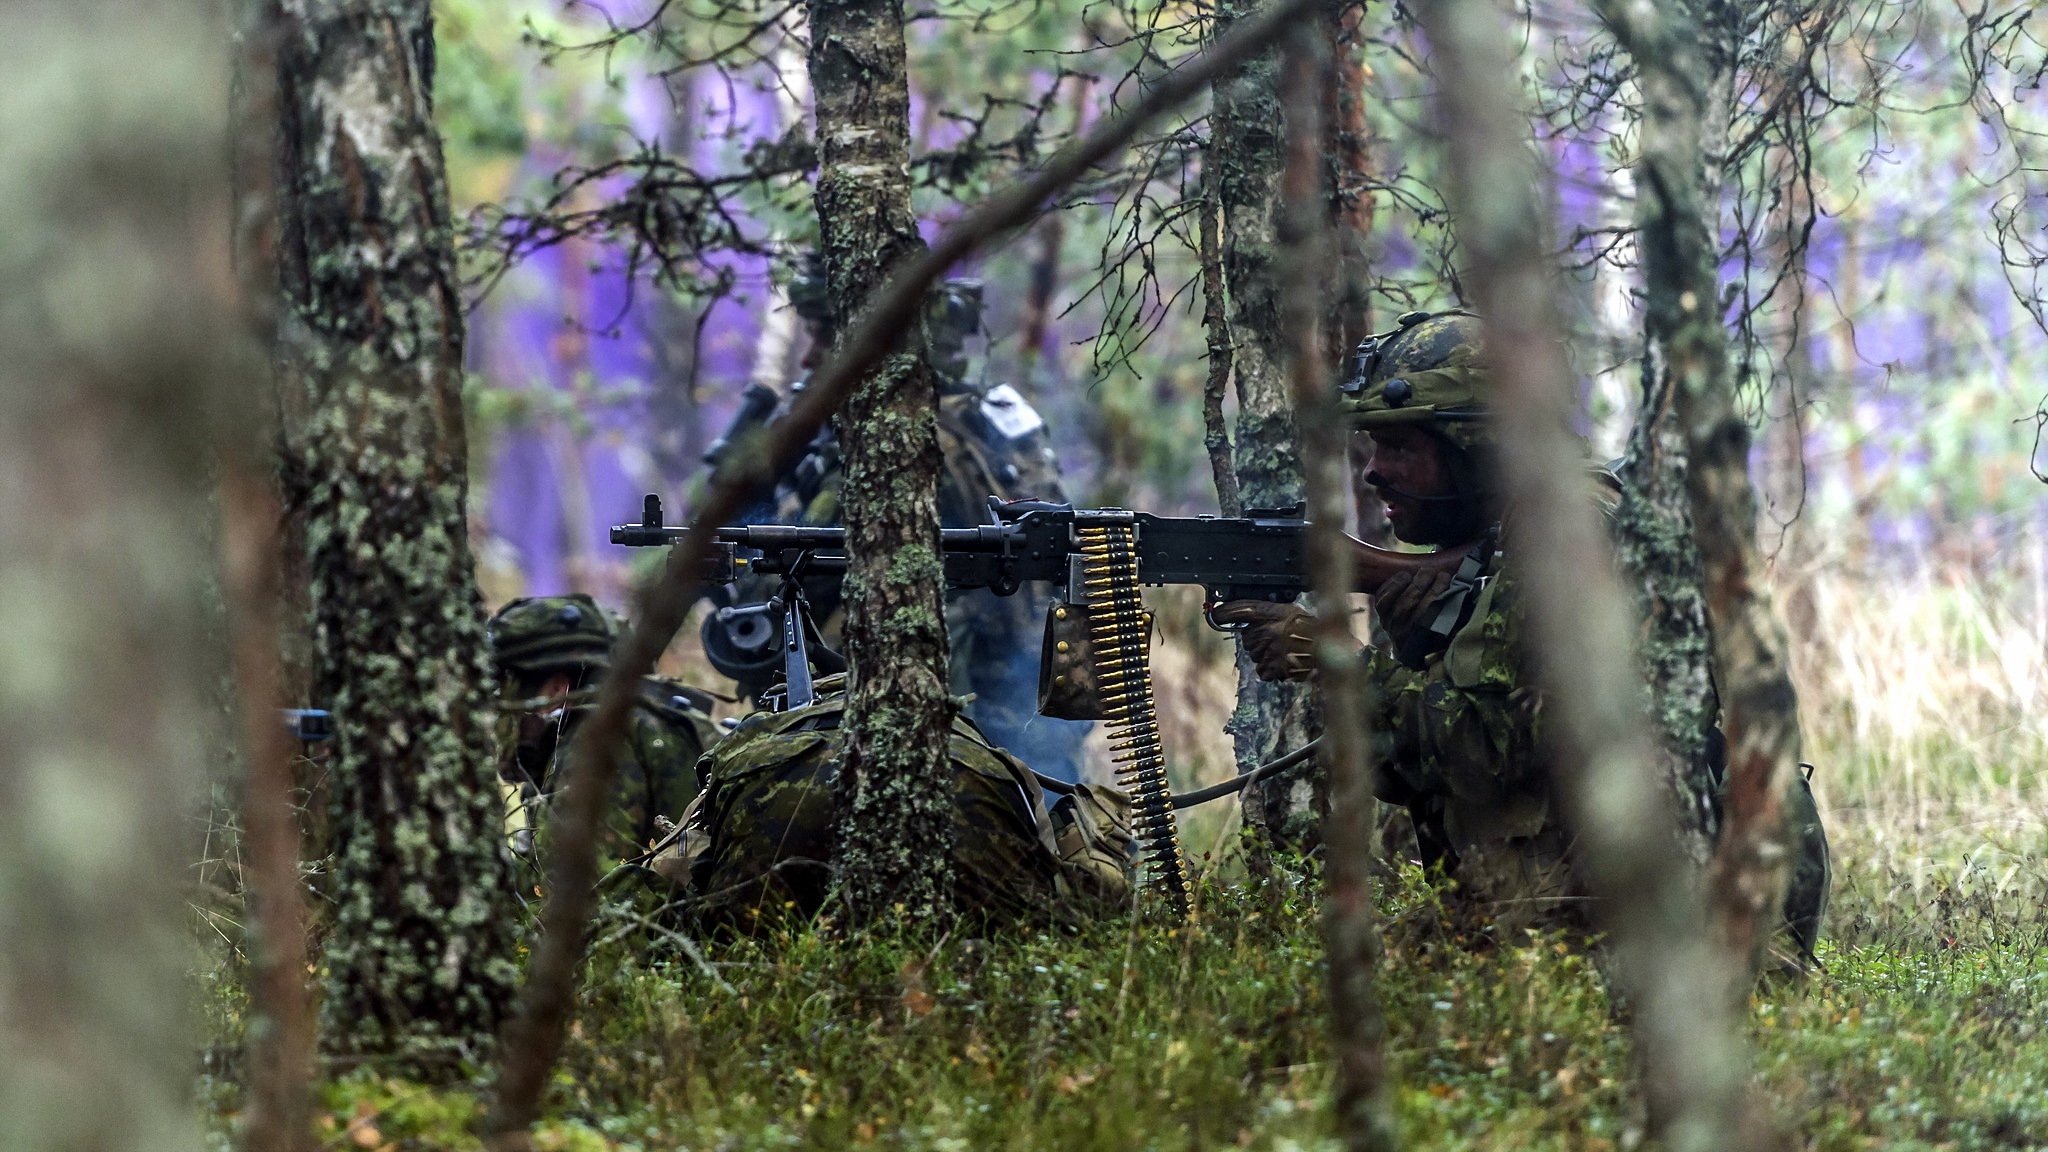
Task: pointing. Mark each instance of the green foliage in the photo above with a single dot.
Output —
(1929, 1028)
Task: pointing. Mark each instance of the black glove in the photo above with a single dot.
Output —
(1280, 638)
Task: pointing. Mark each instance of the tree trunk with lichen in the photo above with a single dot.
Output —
(113, 222)
(1682, 68)
(1246, 149)
(419, 967)
(895, 841)
(1654, 530)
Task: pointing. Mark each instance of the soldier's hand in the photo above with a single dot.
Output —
(1403, 601)
(1280, 638)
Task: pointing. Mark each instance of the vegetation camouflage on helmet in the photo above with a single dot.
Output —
(1428, 370)
(543, 633)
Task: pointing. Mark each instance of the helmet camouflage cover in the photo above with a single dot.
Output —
(544, 633)
(1429, 370)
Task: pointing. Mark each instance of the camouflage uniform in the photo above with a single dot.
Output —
(1458, 717)
(757, 842)
(533, 639)
(994, 444)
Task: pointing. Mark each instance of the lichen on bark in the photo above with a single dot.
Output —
(418, 967)
(894, 847)
(1246, 150)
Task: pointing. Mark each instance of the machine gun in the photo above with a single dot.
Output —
(1261, 555)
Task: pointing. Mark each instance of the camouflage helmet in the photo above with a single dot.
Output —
(1429, 370)
(548, 633)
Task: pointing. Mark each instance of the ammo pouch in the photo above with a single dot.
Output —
(1067, 689)
(1092, 834)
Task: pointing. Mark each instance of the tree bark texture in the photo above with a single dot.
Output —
(1246, 149)
(1347, 153)
(419, 965)
(113, 248)
(1358, 1028)
(1655, 532)
(1676, 65)
(1693, 1060)
(896, 833)
(279, 1050)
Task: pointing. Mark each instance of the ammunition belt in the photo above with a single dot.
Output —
(1123, 668)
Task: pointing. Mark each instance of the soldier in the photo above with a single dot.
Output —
(995, 444)
(551, 652)
(755, 845)
(1458, 715)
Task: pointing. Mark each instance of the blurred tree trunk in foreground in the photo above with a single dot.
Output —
(1690, 1050)
(896, 832)
(1245, 147)
(1358, 1028)
(1682, 70)
(419, 966)
(113, 253)
(278, 1049)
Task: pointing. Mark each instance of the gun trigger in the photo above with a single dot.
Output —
(1209, 617)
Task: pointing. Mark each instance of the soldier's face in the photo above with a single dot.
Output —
(1411, 474)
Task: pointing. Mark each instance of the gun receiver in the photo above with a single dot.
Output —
(1259, 556)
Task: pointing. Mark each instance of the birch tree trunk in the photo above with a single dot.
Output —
(895, 838)
(1681, 68)
(1655, 528)
(1246, 149)
(419, 966)
(113, 249)
(1693, 1060)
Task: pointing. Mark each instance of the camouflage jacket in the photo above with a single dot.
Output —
(666, 735)
(757, 841)
(1461, 745)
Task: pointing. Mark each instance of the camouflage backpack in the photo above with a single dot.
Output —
(756, 843)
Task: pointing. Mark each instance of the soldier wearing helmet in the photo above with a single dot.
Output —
(551, 651)
(994, 444)
(1457, 714)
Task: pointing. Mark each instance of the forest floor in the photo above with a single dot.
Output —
(1927, 1028)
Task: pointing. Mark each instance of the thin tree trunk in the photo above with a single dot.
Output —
(1351, 940)
(1246, 148)
(1347, 152)
(1216, 330)
(1654, 525)
(1678, 172)
(1052, 237)
(112, 327)
(535, 1040)
(280, 1046)
(895, 840)
(419, 964)
(1690, 1050)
